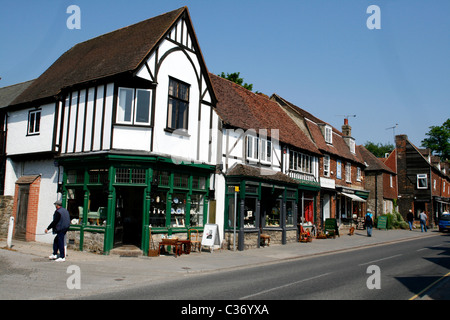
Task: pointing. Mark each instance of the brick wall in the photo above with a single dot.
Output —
(33, 206)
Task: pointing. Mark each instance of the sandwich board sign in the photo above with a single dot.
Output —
(382, 222)
(211, 236)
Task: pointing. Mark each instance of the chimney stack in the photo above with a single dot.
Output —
(346, 129)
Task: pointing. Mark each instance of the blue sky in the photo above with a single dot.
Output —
(318, 54)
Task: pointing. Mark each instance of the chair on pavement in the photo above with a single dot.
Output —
(264, 237)
(194, 237)
(305, 236)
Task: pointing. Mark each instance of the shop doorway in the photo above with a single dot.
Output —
(128, 222)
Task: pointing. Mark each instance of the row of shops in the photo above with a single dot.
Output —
(116, 199)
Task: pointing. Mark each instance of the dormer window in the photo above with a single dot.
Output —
(328, 134)
(352, 146)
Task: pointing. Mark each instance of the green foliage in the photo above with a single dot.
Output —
(236, 79)
(439, 140)
(378, 149)
(395, 221)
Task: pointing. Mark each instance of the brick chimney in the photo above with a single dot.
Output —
(346, 129)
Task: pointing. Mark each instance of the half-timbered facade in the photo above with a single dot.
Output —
(257, 138)
(122, 127)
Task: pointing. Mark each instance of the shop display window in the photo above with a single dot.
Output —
(158, 209)
(196, 212)
(97, 207)
(289, 213)
(273, 217)
(75, 200)
(250, 212)
(178, 210)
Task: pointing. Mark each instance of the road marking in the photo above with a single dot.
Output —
(283, 286)
(397, 255)
(429, 287)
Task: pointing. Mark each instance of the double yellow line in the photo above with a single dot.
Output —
(429, 287)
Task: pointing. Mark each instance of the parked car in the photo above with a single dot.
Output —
(444, 222)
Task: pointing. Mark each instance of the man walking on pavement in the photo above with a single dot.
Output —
(423, 221)
(410, 218)
(59, 226)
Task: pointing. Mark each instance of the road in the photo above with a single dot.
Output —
(389, 272)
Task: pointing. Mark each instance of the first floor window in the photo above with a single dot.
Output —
(177, 115)
(259, 149)
(300, 162)
(133, 106)
(326, 165)
(348, 172)
(422, 181)
(338, 169)
(34, 122)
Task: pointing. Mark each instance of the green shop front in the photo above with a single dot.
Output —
(273, 205)
(116, 200)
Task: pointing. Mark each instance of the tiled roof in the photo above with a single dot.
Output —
(241, 108)
(338, 148)
(373, 163)
(10, 93)
(241, 170)
(113, 53)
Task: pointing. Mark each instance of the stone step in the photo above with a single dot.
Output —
(127, 251)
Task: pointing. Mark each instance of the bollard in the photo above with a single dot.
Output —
(10, 232)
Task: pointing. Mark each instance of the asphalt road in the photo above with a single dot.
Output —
(397, 271)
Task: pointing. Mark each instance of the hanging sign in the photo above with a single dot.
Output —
(211, 236)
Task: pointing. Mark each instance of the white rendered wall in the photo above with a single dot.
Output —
(18, 142)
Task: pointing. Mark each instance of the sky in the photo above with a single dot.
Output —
(324, 56)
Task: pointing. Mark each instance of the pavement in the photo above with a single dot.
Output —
(28, 273)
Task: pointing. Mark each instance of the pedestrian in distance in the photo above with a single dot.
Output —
(410, 218)
(423, 221)
(59, 226)
(368, 222)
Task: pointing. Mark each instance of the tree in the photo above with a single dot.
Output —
(379, 150)
(439, 140)
(235, 78)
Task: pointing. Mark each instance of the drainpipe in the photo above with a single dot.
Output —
(376, 195)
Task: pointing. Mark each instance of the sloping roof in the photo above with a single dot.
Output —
(10, 93)
(241, 108)
(110, 54)
(373, 163)
(27, 179)
(241, 170)
(339, 147)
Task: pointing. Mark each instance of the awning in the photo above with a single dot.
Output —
(353, 197)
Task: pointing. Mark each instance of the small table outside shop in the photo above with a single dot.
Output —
(175, 243)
